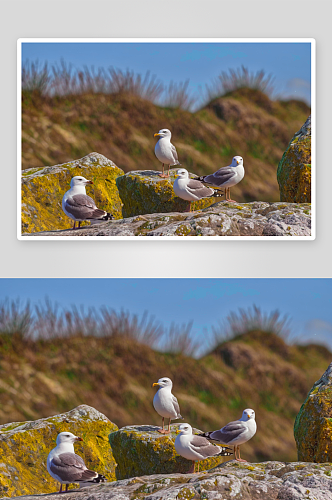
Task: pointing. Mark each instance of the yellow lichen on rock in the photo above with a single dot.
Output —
(43, 189)
(145, 192)
(25, 446)
(313, 424)
(141, 450)
(294, 169)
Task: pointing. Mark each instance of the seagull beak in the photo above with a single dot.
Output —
(156, 135)
(248, 417)
(89, 182)
(154, 385)
(237, 161)
(78, 439)
(176, 176)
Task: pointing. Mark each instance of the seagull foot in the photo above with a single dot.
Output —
(163, 431)
(240, 460)
(164, 176)
(231, 201)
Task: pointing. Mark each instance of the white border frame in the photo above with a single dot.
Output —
(312, 41)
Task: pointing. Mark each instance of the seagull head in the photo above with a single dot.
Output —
(185, 429)
(163, 382)
(164, 132)
(237, 160)
(67, 437)
(248, 414)
(182, 173)
(78, 180)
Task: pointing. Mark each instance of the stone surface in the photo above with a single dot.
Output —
(232, 480)
(294, 169)
(25, 445)
(145, 192)
(43, 189)
(141, 450)
(221, 219)
(313, 424)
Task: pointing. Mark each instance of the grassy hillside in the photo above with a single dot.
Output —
(114, 374)
(121, 126)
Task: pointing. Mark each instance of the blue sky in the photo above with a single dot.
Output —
(308, 302)
(289, 63)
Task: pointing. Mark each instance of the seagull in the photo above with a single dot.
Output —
(235, 433)
(66, 467)
(226, 177)
(191, 189)
(165, 403)
(79, 206)
(196, 448)
(165, 151)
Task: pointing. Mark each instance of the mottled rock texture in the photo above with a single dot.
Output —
(221, 219)
(145, 192)
(25, 445)
(43, 189)
(294, 169)
(313, 424)
(141, 450)
(230, 481)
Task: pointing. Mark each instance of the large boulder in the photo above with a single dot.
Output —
(229, 481)
(313, 424)
(145, 192)
(43, 189)
(294, 169)
(221, 219)
(25, 445)
(141, 450)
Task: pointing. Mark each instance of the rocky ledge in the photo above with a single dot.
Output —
(262, 481)
(220, 219)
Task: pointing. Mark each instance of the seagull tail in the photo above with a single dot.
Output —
(225, 451)
(218, 193)
(108, 216)
(97, 478)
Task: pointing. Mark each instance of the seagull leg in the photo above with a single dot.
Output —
(197, 466)
(162, 431)
(239, 459)
(169, 426)
(79, 224)
(60, 490)
(74, 225)
(229, 196)
(67, 487)
(163, 174)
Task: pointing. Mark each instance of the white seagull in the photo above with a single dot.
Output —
(165, 403)
(165, 151)
(226, 177)
(66, 467)
(196, 448)
(235, 433)
(77, 205)
(191, 189)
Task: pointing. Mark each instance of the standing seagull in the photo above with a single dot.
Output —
(66, 467)
(165, 151)
(235, 433)
(191, 189)
(165, 403)
(226, 177)
(196, 448)
(79, 206)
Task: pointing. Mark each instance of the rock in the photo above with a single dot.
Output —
(43, 189)
(144, 192)
(313, 424)
(231, 480)
(141, 450)
(294, 169)
(25, 445)
(221, 219)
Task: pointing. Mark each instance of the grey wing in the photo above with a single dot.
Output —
(231, 431)
(68, 467)
(175, 155)
(176, 406)
(201, 445)
(220, 177)
(81, 206)
(198, 189)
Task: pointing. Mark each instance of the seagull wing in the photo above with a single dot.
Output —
(220, 177)
(175, 155)
(176, 406)
(202, 446)
(231, 431)
(81, 206)
(71, 468)
(198, 189)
